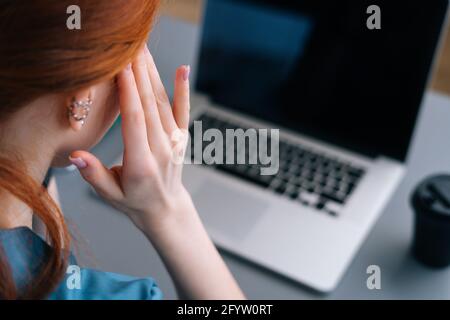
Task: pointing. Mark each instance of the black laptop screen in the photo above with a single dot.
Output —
(313, 66)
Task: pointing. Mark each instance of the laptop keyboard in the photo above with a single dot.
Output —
(312, 178)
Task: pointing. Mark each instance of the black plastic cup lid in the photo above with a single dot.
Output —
(432, 196)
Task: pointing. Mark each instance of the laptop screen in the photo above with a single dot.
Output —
(315, 67)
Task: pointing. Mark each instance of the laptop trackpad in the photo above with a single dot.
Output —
(230, 212)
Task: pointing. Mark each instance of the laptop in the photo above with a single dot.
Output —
(343, 99)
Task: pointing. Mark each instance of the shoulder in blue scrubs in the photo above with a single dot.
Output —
(25, 250)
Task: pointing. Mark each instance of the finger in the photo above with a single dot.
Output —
(156, 136)
(165, 110)
(181, 103)
(97, 175)
(134, 131)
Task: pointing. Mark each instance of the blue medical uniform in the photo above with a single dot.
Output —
(25, 250)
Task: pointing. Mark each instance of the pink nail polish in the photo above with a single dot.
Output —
(78, 162)
(187, 71)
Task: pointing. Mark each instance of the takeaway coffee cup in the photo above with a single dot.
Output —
(431, 203)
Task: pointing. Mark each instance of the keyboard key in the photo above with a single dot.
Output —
(320, 205)
(355, 172)
(336, 197)
(310, 198)
(243, 175)
(293, 192)
(332, 213)
(282, 175)
(281, 188)
(333, 208)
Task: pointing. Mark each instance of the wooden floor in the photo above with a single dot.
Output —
(190, 10)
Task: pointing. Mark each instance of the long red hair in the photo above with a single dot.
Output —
(39, 55)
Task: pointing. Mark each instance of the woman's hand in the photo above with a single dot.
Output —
(148, 188)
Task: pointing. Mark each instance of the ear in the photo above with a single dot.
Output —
(79, 105)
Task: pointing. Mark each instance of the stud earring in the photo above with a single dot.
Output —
(79, 109)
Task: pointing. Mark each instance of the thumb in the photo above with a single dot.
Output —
(102, 179)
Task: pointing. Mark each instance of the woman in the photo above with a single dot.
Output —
(60, 91)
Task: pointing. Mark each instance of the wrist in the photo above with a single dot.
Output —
(178, 221)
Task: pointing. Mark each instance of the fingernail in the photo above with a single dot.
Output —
(129, 66)
(78, 162)
(187, 72)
